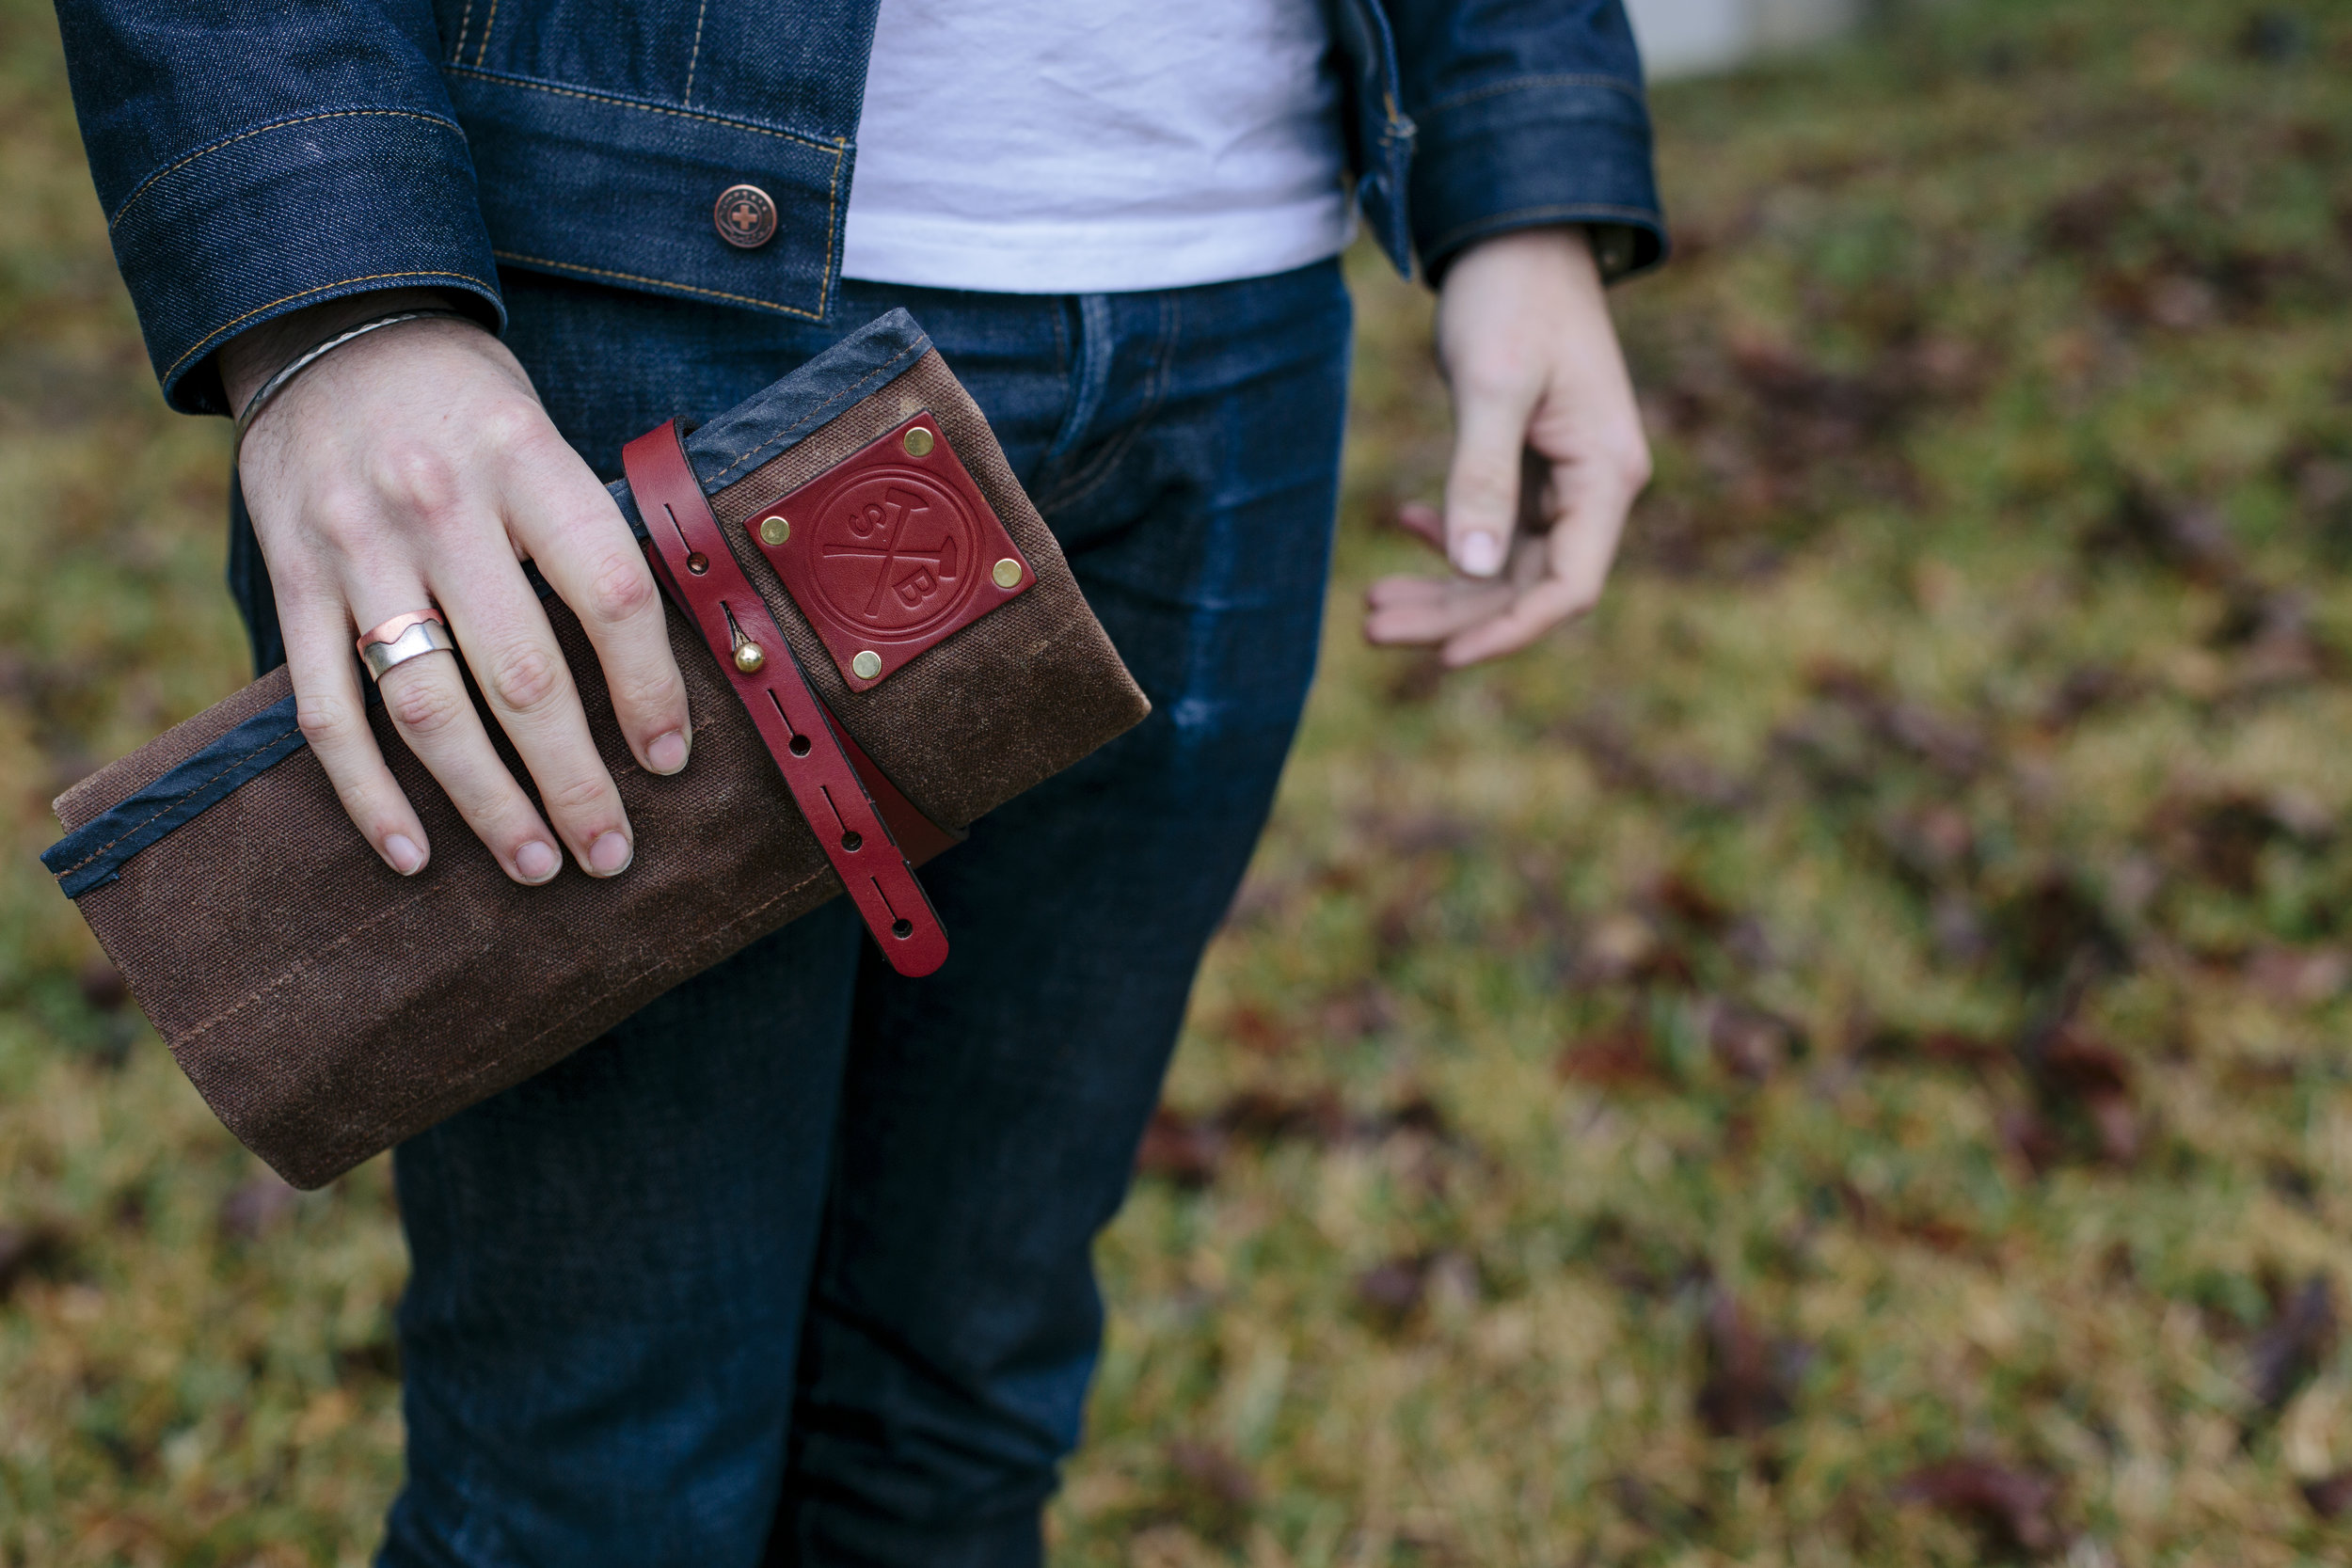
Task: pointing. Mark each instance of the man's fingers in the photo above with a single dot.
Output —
(575, 534)
(1535, 612)
(1417, 610)
(331, 708)
(512, 654)
(1425, 522)
(1481, 488)
(427, 702)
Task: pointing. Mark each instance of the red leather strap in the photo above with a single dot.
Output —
(690, 553)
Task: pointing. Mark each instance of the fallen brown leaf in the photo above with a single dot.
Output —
(1253, 1028)
(1747, 1386)
(2074, 1069)
(2329, 1496)
(1392, 1292)
(2010, 1505)
(2284, 1355)
(1216, 1475)
(1180, 1149)
(30, 1249)
(1264, 1115)
(102, 986)
(1623, 1058)
(1749, 1042)
(255, 1208)
(2298, 976)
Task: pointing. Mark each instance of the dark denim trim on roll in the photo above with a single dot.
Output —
(94, 853)
(772, 422)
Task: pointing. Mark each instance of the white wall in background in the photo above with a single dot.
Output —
(1689, 37)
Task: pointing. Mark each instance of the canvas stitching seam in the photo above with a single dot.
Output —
(311, 960)
(166, 808)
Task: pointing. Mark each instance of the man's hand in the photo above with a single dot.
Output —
(413, 466)
(1548, 452)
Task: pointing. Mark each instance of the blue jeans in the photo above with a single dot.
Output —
(798, 1261)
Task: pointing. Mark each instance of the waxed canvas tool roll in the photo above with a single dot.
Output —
(326, 1007)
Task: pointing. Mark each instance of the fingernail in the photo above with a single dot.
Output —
(610, 854)
(1479, 553)
(668, 753)
(403, 852)
(536, 862)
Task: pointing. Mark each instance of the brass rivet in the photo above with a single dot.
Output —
(1007, 573)
(918, 442)
(698, 563)
(774, 530)
(867, 665)
(748, 658)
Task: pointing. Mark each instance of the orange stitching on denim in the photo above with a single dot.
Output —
(303, 293)
(833, 195)
(695, 59)
(656, 282)
(836, 146)
(465, 19)
(1525, 83)
(487, 22)
(274, 125)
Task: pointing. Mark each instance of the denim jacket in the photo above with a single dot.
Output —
(256, 156)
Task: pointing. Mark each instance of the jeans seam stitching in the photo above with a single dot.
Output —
(1154, 392)
(1531, 83)
(207, 340)
(163, 174)
(837, 146)
(658, 283)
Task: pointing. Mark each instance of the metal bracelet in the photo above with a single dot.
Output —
(312, 355)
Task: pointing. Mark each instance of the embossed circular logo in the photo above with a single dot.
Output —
(745, 216)
(896, 554)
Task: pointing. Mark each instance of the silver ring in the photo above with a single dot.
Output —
(419, 638)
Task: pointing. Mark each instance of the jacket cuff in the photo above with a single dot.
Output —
(1535, 152)
(289, 213)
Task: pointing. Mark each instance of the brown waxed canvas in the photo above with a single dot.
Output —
(326, 1007)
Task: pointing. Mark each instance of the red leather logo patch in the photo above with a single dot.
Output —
(891, 551)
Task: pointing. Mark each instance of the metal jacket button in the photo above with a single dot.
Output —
(744, 216)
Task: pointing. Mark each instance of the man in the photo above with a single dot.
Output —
(797, 1261)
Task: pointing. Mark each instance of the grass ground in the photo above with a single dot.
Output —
(1840, 1060)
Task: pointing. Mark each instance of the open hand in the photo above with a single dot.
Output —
(415, 466)
(1548, 452)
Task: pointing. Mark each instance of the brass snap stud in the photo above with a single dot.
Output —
(698, 563)
(867, 665)
(749, 658)
(1007, 573)
(774, 530)
(745, 216)
(918, 442)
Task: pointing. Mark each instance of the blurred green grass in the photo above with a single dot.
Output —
(1839, 1060)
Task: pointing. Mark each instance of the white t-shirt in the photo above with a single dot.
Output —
(1093, 146)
